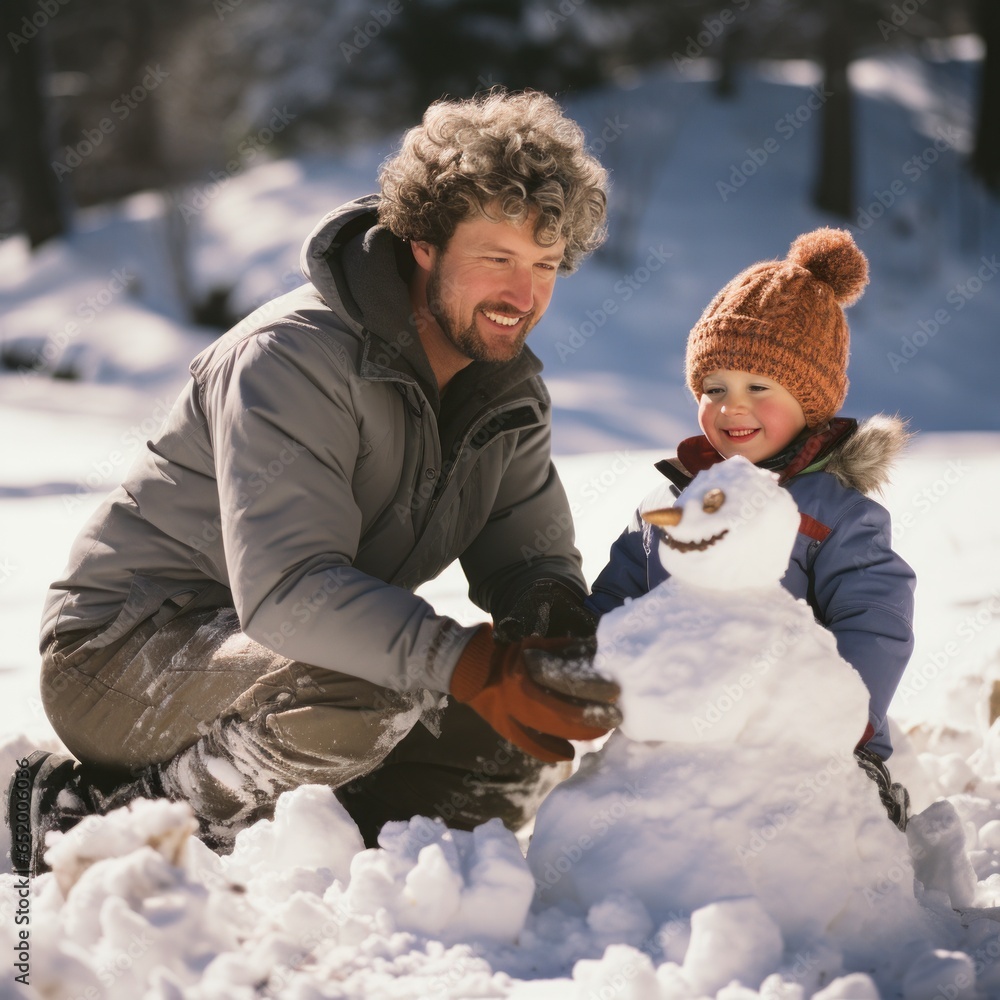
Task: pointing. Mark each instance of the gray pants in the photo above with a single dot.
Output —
(228, 725)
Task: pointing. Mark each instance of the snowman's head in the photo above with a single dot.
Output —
(732, 529)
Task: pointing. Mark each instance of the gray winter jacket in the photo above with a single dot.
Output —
(310, 476)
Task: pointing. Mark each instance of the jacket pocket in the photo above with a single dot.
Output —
(147, 598)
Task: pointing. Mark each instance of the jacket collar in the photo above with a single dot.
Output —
(812, 446)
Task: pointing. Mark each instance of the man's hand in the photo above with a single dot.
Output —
(547, 608)
(537, 693)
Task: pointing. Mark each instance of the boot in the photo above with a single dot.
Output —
(894, 796)
(53, 792)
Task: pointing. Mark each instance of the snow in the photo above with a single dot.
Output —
(654, 903)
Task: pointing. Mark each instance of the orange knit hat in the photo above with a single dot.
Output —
(784, 319)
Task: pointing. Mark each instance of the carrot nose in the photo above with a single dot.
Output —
(663, 518)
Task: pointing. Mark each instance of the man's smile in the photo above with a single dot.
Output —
(502, 319)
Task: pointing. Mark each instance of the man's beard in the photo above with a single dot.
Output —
(470, 341)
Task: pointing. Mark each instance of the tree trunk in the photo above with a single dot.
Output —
(30, 138)
(140, 148)
(834, 191)
(730, 51)
(986, 155)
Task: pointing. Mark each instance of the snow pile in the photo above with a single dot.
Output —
(134, 904)
(163, 826)
(730, 794)
(446, 884)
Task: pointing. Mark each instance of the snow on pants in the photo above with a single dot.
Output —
(228, 725)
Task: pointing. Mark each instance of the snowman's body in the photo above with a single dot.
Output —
(733, 773)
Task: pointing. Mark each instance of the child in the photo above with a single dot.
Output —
(767, 363)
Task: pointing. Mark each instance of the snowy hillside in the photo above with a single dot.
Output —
(300, 910)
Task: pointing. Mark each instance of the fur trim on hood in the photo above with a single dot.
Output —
(864, 461)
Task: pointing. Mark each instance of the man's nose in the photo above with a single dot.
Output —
(520, 291)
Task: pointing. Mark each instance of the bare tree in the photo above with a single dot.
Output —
(986, 155)
(29, 130)
(834, 191)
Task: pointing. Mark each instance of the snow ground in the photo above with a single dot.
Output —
(299, 911)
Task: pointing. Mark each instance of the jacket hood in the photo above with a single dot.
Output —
(338, 241)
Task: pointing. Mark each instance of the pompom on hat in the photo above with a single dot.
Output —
(784, 319)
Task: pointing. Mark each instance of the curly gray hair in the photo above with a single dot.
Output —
(508, 157)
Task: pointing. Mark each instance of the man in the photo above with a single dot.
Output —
(238, 618)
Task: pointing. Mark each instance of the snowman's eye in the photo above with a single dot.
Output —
(712, 501)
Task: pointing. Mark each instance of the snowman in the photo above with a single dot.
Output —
(732, 778)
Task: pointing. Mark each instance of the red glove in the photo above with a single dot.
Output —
(537, 693)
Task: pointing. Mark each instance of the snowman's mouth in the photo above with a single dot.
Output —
(680, 546)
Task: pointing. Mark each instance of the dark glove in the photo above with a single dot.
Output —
(895, 798)
(547, 608)
(537, 693)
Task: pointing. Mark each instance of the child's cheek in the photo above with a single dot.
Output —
(705, 417)
(778, 419)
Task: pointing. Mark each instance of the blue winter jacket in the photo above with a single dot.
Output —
(842, 563)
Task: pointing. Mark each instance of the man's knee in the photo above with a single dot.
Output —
(338, 734)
